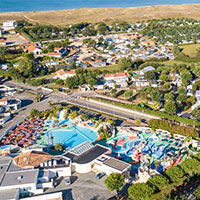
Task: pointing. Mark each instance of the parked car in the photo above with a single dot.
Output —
(100, 175)
(67, 181)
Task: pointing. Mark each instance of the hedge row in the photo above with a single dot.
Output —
(193, 122)
(173, 128)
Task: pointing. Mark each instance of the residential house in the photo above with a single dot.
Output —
(34, 50)
(58, 52)
(119, 78)
(146, 69)
(61, 74)
(52, 63)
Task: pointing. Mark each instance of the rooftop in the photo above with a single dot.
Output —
(117, 164)
(8, 194)
(31, 158)
(19, 177)
(87, 156)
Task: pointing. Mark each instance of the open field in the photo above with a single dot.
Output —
(190, 49)
(108, 15)
(110, 68)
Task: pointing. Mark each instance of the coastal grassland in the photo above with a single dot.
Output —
(134, 14)
(190, 49)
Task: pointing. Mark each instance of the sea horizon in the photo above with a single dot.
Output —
(54, 5)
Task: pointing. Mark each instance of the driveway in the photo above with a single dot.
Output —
(84, 187)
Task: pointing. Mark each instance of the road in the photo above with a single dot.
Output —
(58, 97)
(29, 104)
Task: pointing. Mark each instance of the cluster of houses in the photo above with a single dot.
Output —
(135, 46)
(7, 103)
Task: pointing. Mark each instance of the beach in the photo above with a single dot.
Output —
(108, 15)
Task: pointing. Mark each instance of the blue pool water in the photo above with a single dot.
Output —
(71, 136)
(5, 147)
(36, 5)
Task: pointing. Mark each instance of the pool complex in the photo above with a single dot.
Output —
(71, 135)
(157, 146)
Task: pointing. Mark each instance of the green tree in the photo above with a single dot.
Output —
(170, 107)
(128, 94)
(125, 63)
(73, 115)
(176, 50)
(191, 166)
(115, 181)
(197, 193)
(175, 173)
(158, 182)
(59, 82)
(138, 122)
(150, 75)
(58, 147)
(140, 191)
(169, 96)
(186, 76)
(155, 94)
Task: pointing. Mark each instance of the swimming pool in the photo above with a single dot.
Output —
(72, 135)
(6, 147)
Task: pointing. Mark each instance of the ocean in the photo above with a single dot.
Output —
(42, 5)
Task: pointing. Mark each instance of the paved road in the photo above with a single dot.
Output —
(72, 99)
(90, 105)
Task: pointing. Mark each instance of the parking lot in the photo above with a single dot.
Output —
(84, 187)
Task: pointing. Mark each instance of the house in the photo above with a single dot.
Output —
(61, 74)
(4, 66)
(147, 43)
(110, 84)
(9, 25)
(99, 64)
(34, 50)
(2, 41)
(141, 83)
(51, 63)
(154, 83)
(31, 159)
(146, 69)
(58, 52)
(189, 93)
(12, 32)
(120, 79)
(3, 102)
(26, 45)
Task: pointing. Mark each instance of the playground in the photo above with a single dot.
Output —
(146, 145)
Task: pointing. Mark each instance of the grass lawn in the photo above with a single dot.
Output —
(43, 77)
(190, 49)
(171, 62)
(110, 68)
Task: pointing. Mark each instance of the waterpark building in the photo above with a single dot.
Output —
(87, 157)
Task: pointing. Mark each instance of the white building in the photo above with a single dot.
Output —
(9, 25)
(62, 74)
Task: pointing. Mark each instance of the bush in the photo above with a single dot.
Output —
(173, 128)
